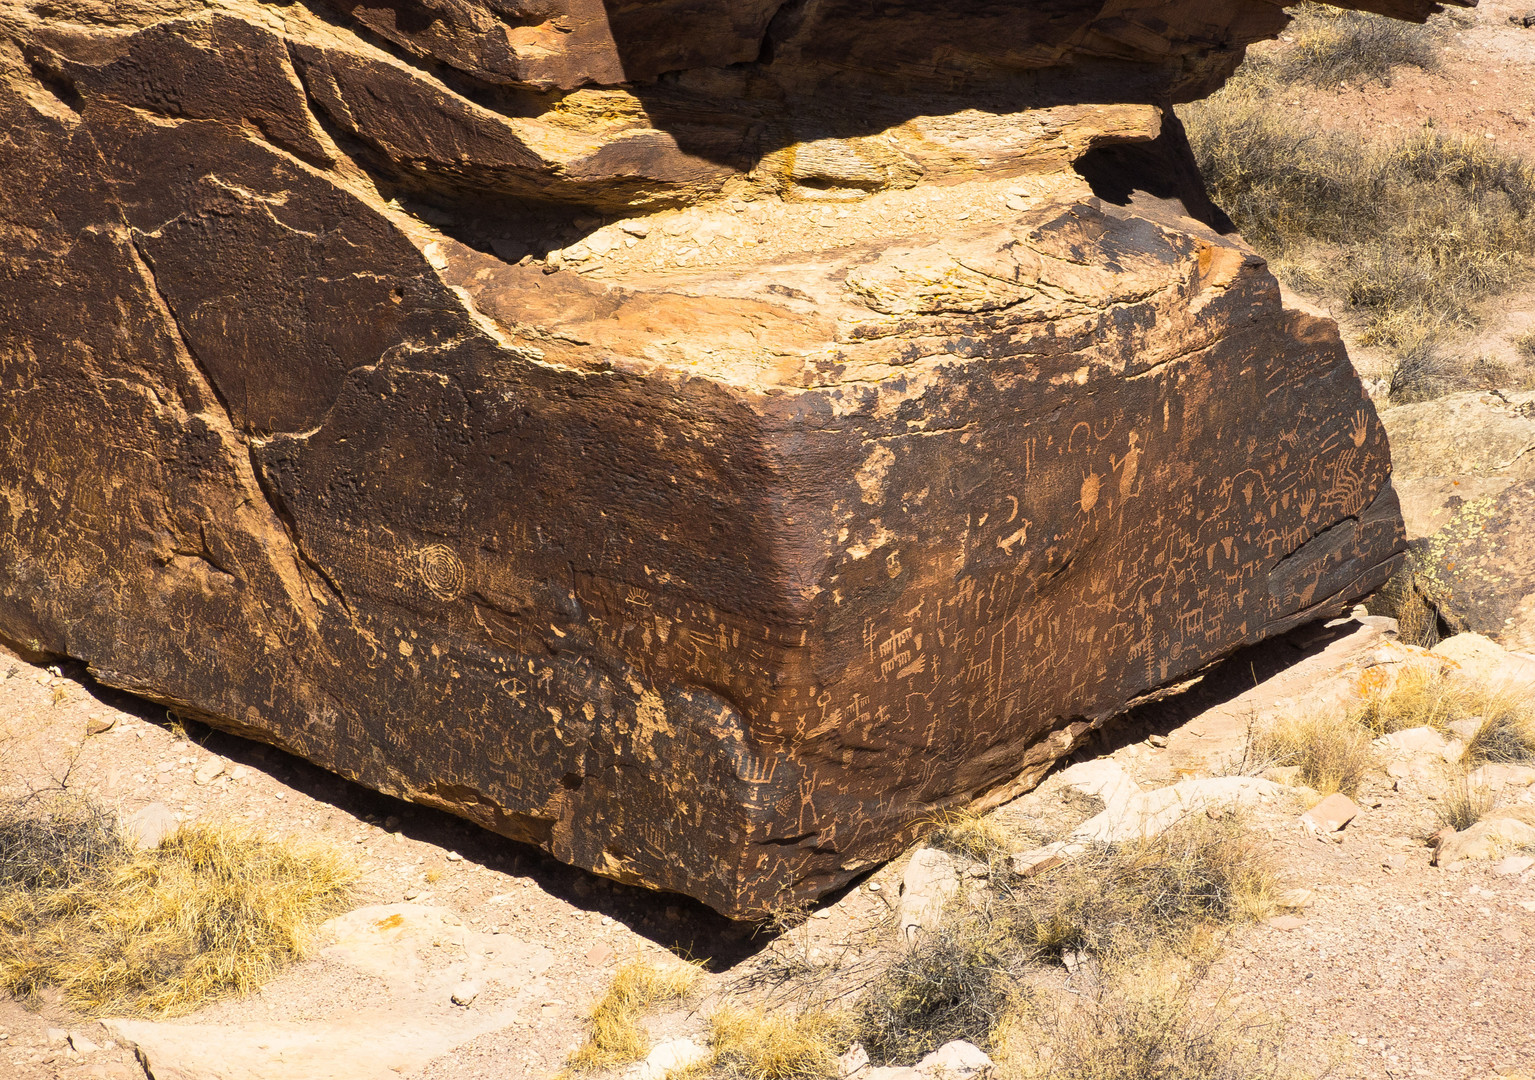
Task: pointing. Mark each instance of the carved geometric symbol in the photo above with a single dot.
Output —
(442, 571)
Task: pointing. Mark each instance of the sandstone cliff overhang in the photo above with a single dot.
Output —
(702, 440)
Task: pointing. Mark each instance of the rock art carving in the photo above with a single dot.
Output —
(704, 440)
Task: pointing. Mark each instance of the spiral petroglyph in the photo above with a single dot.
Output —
(442, 571)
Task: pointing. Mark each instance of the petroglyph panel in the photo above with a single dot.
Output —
(718, 570)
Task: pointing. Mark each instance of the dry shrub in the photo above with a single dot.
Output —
(1423, 694)
(1524, 345)
(1325, 46)
(1415, 233)
(1417, 620)
(1462, 804)
(782, 1045)
(1148, 1023)
(57, 844)
(212, 911)
(1120, 900)
(1332, 752)
(972, 835)
(616, 1037)
(956, 982)
(1507, 734)
(961, 980)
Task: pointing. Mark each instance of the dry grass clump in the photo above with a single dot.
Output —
(212, 911)
(956, 982)
(1524, 345)
(972, 835)
(784, 1045)
(1407, 599)
(1121, 900)
(1507, 734)
(1332, 752)
(1421, 695)
(963, 979)
(1414, 233)
(616, 1037)
(1148, 1023)
(1462, 804)
(1325, 46)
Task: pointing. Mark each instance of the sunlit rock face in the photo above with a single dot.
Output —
(704, 439)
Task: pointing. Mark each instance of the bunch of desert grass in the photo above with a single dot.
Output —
(1463, 803)
(1423, 694)
(967, 833)
(1416, 234)
(1331, 750)
(1325, 46)
(1507, 734)
(616, 1036)
(1524, 345)
(1152, 1020)
(784, 1044)
(1159, 891)
(212, 911)
(963, 979)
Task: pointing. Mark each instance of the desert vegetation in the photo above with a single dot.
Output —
(617, 1034)
(210, 911)
(1134, 920)
(1415, 234)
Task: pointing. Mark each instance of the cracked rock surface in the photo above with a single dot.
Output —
(702, 440)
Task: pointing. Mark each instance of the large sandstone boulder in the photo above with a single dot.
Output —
(1464, 466)
(704, 440)
(1456, 450)
(1478, 571)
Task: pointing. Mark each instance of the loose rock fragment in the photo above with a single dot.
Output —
(930, 882)
(1331, 814)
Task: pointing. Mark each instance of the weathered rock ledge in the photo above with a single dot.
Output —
(705, 450)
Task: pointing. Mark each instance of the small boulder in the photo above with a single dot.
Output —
(930, 882)
(1331, 814)
(1488, 839)
(1466, 729)
(149, 825)
(98, 725)
(465, 993)
(1418, 740)
(668, 1057)
(1130, 813)
(957, 1060)
(208, 771)
(1037, 860)
(1510, 865)
(852, 1063)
